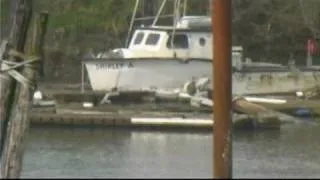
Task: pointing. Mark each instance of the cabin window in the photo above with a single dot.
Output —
(138, 38)
(180, 41)
(153, 39)
(202, 41)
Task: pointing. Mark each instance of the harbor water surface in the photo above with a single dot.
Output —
(292, 152)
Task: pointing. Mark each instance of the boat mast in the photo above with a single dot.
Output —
(132, 22)
(210, 7)
(185, 6)
(158, 13)
(176, 17)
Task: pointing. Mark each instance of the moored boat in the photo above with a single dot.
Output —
(166, 57)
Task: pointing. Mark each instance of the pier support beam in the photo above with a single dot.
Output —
(221, 27)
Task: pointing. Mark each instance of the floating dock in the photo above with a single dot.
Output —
(138, 109)
(128, 117)
(112, 121)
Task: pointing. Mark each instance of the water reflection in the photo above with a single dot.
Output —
(60, 152)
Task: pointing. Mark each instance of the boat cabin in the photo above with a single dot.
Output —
(164, 43)
(186, 40)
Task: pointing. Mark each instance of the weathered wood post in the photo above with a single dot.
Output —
(42, 26)
(221, 26)
(19, 122)
(20, 25)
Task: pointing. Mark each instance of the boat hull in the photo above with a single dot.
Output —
(135, 74)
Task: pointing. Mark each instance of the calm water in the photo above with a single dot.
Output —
(292, 152)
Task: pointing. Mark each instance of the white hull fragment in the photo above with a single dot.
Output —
(105, 75)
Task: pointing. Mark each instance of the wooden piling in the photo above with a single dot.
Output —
(42, 26)
(221, 27)
(19, 29)
(10, 165)
(18, 120)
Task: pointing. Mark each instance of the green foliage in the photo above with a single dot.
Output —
(267, 27)
(4, 10)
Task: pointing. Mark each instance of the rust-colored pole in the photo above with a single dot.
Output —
(222, 91)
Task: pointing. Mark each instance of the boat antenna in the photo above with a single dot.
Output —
(158, 13)
(185, 6)
(176, 15)
(176, 11)
(132, 22)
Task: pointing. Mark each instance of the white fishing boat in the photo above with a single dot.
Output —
(166, 57)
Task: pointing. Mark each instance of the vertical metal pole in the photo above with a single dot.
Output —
(221, 26)
(309, 59)
(158, 13)
(210, 7)
(185, 7)
(132, 22)
(82, 77)
(309, 56)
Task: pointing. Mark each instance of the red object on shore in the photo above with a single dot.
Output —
(311, 46)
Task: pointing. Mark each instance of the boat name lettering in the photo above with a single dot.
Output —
(114, 65)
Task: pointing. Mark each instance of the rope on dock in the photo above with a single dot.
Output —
(11, 67)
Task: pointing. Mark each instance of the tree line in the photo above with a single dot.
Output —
(271, 29)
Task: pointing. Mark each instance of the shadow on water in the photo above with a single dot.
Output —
(128, 129)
